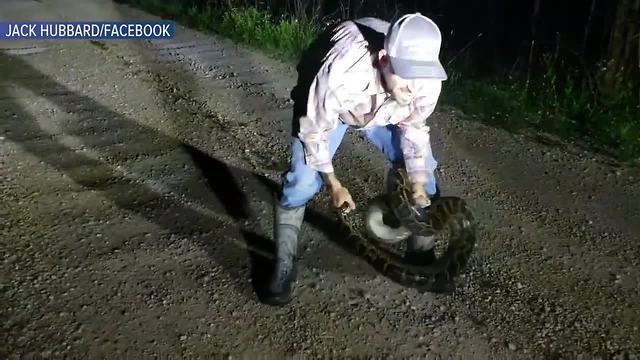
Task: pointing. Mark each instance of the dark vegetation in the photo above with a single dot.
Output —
(569, 69)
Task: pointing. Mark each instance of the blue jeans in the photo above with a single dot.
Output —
(301, 183)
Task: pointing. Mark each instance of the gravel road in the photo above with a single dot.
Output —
(135, 218)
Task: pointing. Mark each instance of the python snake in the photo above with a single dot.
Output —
(445, 215)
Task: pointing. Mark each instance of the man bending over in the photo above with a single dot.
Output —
(382, 79)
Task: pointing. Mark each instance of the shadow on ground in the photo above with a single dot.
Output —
(103, 131)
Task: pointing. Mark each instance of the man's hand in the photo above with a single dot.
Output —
(420, 197)
(341, 200)
(340, 197)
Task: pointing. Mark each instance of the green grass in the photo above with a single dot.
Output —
(554, 100)
(558, 105)
(285, 37)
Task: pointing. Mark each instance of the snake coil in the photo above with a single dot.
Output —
(449, 216)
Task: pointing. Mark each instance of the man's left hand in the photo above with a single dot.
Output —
(420, 197)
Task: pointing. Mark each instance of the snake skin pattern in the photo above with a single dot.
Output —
(447, 216)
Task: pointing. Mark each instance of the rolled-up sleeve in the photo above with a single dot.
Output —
(414, 134)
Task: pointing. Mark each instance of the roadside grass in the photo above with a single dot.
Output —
(283, 38)
(559, 106)
(554, 100)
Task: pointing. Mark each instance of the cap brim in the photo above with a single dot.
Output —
(411, 69)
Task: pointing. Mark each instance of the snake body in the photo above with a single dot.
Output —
(445, 216)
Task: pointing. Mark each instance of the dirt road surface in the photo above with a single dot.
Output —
(135, 214)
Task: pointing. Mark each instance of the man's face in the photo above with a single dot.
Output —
(401, 89)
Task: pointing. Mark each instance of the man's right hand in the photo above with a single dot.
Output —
(340, 198)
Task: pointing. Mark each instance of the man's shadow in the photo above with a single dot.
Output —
(219, 177)
(95, 127)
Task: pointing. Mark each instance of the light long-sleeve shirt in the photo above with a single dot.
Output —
(348, 88)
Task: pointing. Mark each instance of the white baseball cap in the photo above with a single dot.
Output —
(413, 44)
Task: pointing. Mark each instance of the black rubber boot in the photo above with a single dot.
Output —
(286, 232)
(420, 250)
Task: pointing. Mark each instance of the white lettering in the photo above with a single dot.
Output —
(24, 30)
(88, 30)
(14, 30)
